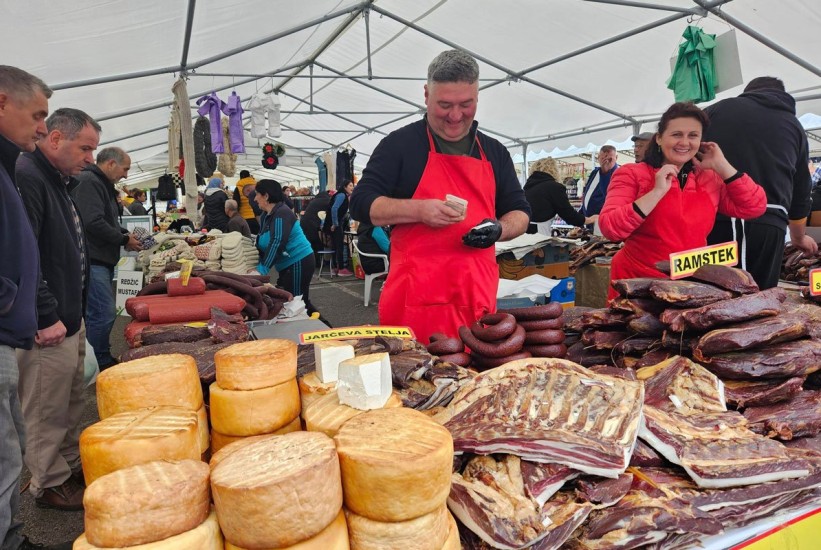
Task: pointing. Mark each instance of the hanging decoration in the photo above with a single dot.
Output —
(211, 105)
(270, 159)
(694, 76)
(259, 105)
(233, 108)
(226, 162)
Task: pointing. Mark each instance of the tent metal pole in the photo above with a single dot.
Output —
(583, 131)
(332, 77)
(349, 113)
(814, 137)
(189, 27)
(685, 11)
(500, 67)
(292, 96)
(524, 162)
(808, 97)
(137, 134)
(311, 83)
(758, 36)
(368, 41)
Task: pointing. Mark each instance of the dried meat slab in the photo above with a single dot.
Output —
(604, 318)
(637, 345)
(735, 310)
(687, 293)
(678, 384)
(542, 481)
(728, 278)
(798, 417)
(747, 393)
(634, 288)
(645, 456)
(573, 318)
(606, 492)
(750, 335)
(588, 357)
(548, 410)
(637, 306)
(603, 339)
(647, 324)
(797, 358)
(717, 450)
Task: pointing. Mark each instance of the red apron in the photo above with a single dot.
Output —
(436, 283)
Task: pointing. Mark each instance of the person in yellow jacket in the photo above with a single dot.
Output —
(245, 186)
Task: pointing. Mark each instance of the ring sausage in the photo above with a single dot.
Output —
(494, 326)
(549, 336)
(461, 359)
(554, 350)
(502, 348)
(544, 324)
(446, 346)
(437, 336)
(547, 311)
(483, 362)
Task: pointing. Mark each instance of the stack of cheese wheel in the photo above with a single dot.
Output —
(156, 381)
(130, 438)
(396, 467)
(280, 491)
(326, 414)
(256, 391)
(156, 505)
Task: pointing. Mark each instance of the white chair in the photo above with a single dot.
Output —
(327, 253)
(369, 278)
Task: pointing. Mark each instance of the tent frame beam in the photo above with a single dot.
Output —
(189, 28)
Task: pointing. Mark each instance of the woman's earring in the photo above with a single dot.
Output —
(658, 147)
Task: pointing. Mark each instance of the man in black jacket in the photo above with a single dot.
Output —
(759, 133)
(51, 374)
(96, 199)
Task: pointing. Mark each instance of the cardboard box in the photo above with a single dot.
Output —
(592, 285)
(550, 261)
(564, 293)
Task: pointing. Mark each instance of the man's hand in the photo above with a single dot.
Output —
(435, 213)
(133, 244)
(51, 336)
(806, 244)
(589, 220)
(484, 235)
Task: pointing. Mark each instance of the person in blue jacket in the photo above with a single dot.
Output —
(282, 244)
(372, 240)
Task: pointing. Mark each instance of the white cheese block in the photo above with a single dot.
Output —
(311, 388)
(365, 381)
(206, 536)
(137, 437)
(220, 441)
(254, 412)
(328, 355)
(452, 542)
(278, 491)
(427, 532)
(333, 537)
(156, 381)
(396, 464)
(147, 502)
(326, 414)
(255, 365)
(202, 429)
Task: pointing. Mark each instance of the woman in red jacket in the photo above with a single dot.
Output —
(668, 202)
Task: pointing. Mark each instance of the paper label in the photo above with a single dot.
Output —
(347, 333)
(684, 264)
(815, 282)
(185, 271)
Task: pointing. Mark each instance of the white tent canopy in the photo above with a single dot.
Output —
(555, 73)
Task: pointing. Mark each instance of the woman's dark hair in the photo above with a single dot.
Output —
(271, 189)
(342, 186)
(653, 156)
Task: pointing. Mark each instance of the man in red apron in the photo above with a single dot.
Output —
(443, 270)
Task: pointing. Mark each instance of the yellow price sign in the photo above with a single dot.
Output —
(684, 264)
(800, 533)
(815, 282)
(349, 333)
(185, 271)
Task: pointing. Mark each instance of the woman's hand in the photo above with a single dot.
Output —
(664, 179)
(710, 157)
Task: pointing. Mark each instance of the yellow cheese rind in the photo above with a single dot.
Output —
(452, 542)
(202, 429)
(254, 412)
(170, 380)
(277, 491)
(220, 441)
(326, 414)
(206, 536)
(146, 503)
(255, 365)
(396, 464)
(427, 532)
(311, 388)
(131, 438)
(333, 537)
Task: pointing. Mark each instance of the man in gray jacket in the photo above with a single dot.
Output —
(96, 198)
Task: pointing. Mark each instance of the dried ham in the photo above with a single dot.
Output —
(687, 293)
(606, 492)
(542, 481)
(646, 324)
(634, 288)
(637, 345)
(728, 278)
(797, 358)
(627, 374)
(587, 357)
(653, 357)
(753, 334)
(745, 308)
(645, 456)
(604, 318)
(603, 339)
(637, 306)
(678, 384)
(746, 393)
(573, 318)
(798, 417)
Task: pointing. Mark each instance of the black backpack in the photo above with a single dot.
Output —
(166, 189)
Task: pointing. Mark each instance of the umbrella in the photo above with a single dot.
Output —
(694, 76)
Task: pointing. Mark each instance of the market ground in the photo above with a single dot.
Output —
(340, 300)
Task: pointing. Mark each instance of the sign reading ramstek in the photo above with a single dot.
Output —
(684, 264)
(347, 333)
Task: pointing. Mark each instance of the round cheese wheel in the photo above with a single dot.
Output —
(311, 388)
(254, 412)
(219, 441)
(137, 437)
(277, 491)
(147, 502)
(427, 532)
(206, 536)
(333, 537)
(452, 542)
(396, 464)
(257, 364)
(202, 429)
(156, 381)
(326, 414)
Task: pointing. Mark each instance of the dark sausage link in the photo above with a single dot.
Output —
(547, 311)
(276, 293)
(160, 287)
(549, 336)
(502, 348)
(446, 346)
(437, 336)
(483, 362)
(494, 326)
(461, 359)
(544, 324)
(554, 350)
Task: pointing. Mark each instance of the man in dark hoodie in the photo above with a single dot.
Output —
(759, 133)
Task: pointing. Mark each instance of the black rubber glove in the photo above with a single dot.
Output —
(484, 234)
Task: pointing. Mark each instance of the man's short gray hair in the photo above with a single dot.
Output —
(453, 66)
(21, 85)
(112, 153)
(231, 205)
(70, 122)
